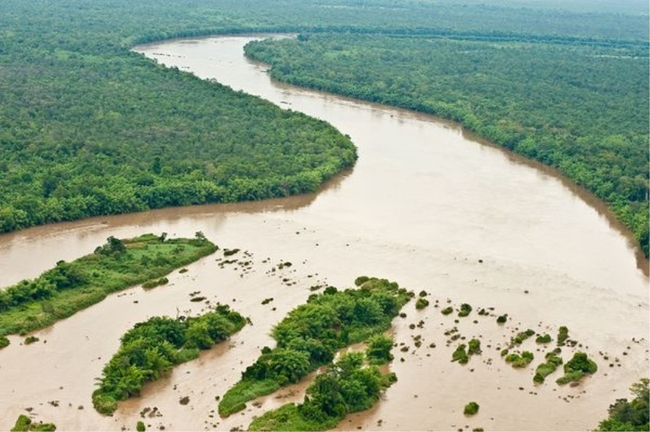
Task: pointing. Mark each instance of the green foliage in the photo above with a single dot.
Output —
(501, 319)
(156, 282)
(70, 287)
(345, 387)
(151, 348)
(25, 424)
(140, 427)
(519, 360)
(562, 335)
(311, 334)
(31, 339)
(471, 409)
(474, 347)
(465, 310)
(460, 355)
(378, 350)
(421, 303)
(546, 99)
(629, 416)
(547, 368)
(522, 336)
(576, 368)
(361, 280)
(4, 342)
(543, 339)
(447, 310)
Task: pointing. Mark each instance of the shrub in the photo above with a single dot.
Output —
(4, 342)
(447, 310)
(361, 280)
(501, 319)
(460, 355)
(140, 427)
(547, 368)
(471, 409)
(421, 303)
(543, 339)
(519, 360)
(378, 351)
(474, 347)
(576, 368)
(562, 335)
(31, 340)
(465, 310)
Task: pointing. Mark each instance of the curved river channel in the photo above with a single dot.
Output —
(426, 206)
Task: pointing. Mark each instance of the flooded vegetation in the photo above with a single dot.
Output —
(422, 206)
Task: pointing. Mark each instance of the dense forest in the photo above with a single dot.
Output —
(576, 105)
(88, 128)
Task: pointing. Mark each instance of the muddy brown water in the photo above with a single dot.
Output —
(426, 206)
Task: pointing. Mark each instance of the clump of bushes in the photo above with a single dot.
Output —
(460, 355)
(361, 280)
(312, 333)
(346, 387)
(465, 310)
(522, 336)
(421, 303)
(25, 424)
(155, 283)
(576, 368)
(447, 310)
(543, 339)
(547, 368)
(474, 347)
(562, 335)
(519, 360)
(378, 350)
(31, 339)
(151, 348)
(471, 409)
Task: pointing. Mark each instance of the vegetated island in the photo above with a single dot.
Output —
(577, 105)
(312, 333)
(349, 385)
(151, 348)
(70, 287)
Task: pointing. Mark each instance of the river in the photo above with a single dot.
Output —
(427, 206)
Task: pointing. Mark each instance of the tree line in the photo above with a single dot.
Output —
(581, 109)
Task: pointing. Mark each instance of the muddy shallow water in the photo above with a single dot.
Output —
(425, 206)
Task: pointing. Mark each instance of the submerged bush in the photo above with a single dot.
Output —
(576, 368)
(547, 368)
(460, 355)
(562, 335)
(471, 409)
(474, 347)
(421, 303)
(465, 310)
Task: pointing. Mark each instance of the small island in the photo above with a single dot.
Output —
(70, 287)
